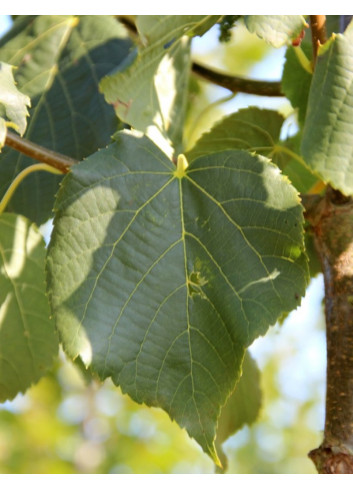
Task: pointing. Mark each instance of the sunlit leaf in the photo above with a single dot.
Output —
(13, 103)
(277, 30)
(328, 130)
(28, 341)
(160, 277)
(151, 94)
(3, 131)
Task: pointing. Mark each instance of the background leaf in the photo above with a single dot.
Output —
(314, 261)
(169, 275)
(328, 130)
(277, 30)
(287, 157)
(151, 94)
(28, 341)
(13, 103)
(258, 130)
(296, 80)
(251, 129)
(60, 61)
(242, 407)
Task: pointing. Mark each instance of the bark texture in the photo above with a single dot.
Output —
(332, 222)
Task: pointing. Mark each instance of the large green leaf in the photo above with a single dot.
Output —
(28, 340)
(13, 103)
(160, 277)
(60, 61)
(151, 93)
(277, 30)
(328, 131)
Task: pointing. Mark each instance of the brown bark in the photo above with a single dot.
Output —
(238, 84)
(318, 32)
(331, 218)
(57, 160)
(332, 223)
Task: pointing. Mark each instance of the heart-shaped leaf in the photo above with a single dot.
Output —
(28, 340)
(160, 277)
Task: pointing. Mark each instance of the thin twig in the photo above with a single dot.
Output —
(128, 23)
(238, 84)
(39, 153)
(318, 32)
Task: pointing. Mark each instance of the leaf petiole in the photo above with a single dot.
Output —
(182, 165)
(303, 60)
(277, 148)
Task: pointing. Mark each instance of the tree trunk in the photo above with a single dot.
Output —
(332, 222)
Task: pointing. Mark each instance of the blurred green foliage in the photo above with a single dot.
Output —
(64, 425)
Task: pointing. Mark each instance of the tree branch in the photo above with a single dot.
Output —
(128, 23)
(331, 218)
(318, 32)
(237, 84)
(232, 83)
(39, 153)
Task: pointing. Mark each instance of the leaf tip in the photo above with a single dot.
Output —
(215, 458)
